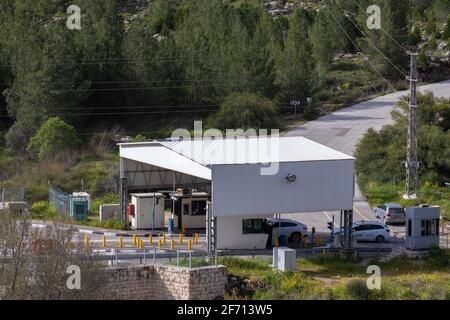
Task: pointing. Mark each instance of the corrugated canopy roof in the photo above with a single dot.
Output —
(194, 157)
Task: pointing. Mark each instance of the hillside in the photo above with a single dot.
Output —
(138, 69)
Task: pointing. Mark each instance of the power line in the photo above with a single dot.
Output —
(379, 26)
(345, 46)
(370, 41)
(121, 113)
(359, 49)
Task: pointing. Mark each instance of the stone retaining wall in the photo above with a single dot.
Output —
(162, 282)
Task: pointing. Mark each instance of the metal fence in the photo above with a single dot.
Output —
(179, 258)
(12, 195)
(59, 199)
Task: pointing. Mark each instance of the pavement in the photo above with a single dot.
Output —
(342, 130)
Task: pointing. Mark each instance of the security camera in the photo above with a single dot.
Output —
(291, 177)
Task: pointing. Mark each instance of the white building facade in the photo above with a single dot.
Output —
(249, 179)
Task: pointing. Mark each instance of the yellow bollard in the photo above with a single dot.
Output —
(318, 240)
(120, 242)
(172, 244)
(150, 240)
(86, 241)
(189, 245)
(141, 244)
(196, 238)
(134, 240)
(104, 241)
(181, 238)
(159, 244)
(183, 227)
(305, 242)
(164, 238)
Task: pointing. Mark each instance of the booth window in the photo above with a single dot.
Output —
(409, 228)
(186, 208)
(430, 227)
(199, 208)
(252, 226)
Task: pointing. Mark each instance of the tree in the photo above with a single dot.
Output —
(394, 21)
(446, 33)
(38, 260)
(380, 155)
(321, 37)
(246, 111)
(212, 42)
(415, 37)
(295, 67)
(46, 77)
(55, 136)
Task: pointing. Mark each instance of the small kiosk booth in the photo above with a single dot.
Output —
(190, 209)
(146, 210)
(422, 227)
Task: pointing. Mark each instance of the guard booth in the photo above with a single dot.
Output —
(190, 209)
(422, 227)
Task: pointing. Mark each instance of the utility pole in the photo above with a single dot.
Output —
(412, 161)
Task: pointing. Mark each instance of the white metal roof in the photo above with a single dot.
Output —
(195, 157)
(254, 150)
(158, 155)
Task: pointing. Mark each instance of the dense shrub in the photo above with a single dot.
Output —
(43, 210)
(380, 155)
(52, 138)
(358, 290)
(439, 257)
(246, 111)
(17, 138)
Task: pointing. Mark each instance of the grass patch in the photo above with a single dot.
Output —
(378, 193)
(93, 221)
(195, 262)
(331, 277)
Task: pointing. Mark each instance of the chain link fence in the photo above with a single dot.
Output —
(8, 195)
(59, 199)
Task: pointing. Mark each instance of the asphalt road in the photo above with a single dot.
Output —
(342, 130)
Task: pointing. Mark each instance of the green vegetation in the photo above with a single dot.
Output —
(246, 111)
(43, 210)
(55, 136)
(196, 262)
(380, 156)
(141, 69)
(329, 277)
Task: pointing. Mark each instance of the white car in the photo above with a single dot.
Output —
(369, 231)
(293, 230)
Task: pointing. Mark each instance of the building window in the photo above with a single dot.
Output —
(252, 226)
(430, 227)
(409, 228)
(186, 209)
(199, 208)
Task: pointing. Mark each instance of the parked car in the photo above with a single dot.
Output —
(369, 231)
(391, 213)
(293, 230)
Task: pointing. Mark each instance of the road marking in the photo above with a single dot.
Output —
(331, 219)
(362, 215)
